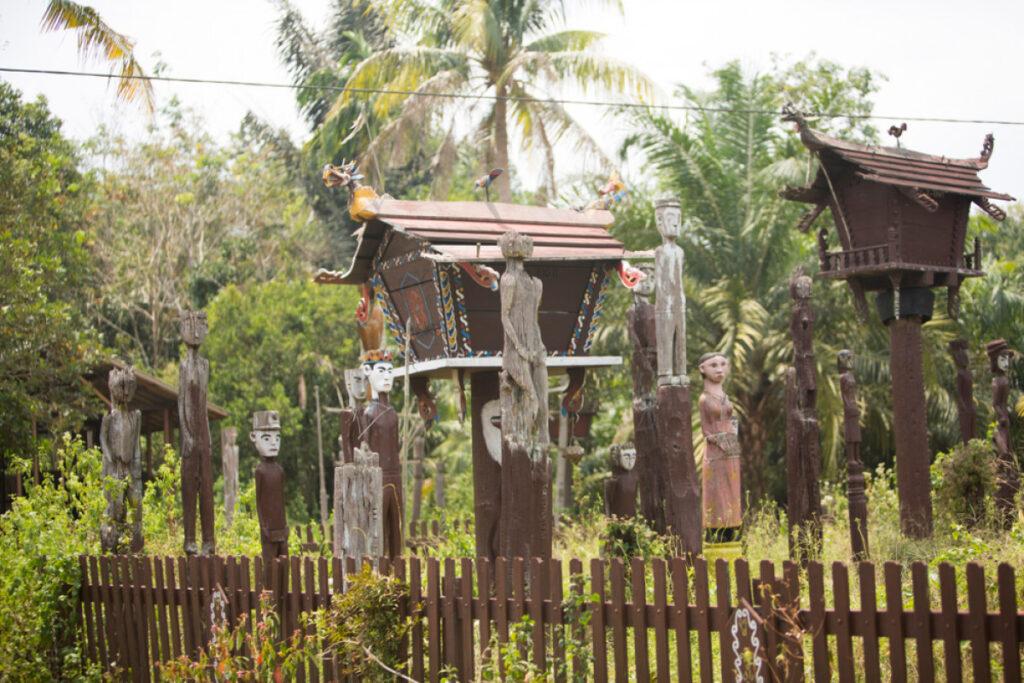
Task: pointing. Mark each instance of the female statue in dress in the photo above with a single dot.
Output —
(720, 481)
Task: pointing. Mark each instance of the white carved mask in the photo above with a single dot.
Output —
(268, 443)
(355, 384)
(489, 414)
(1003, 361)
(380, 375)
(668, 219)
(627, 458)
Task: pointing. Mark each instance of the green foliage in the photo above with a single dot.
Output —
(631, 537)
(272, 656)
(40, 540)
(364, 627)
(45, 278)
(965, 482)
(511, 660)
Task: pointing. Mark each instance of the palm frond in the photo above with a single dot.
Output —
(97, 39)
(565, 41)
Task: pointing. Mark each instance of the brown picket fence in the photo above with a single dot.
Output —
(641, 620)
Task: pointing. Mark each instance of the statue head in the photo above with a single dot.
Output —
(668, 216)
(378, 372)
(845, 360)
(645, 287)
(355, 385)
(999, 356)
(122, 385)
(800, 286)
(714, 366)
(193, 327)
(515, 245)
(266, 433)
(623, 457)
(490, 419)
(958, 349)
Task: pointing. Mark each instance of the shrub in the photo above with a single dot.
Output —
(965, 481)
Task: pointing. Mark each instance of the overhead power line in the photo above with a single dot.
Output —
(508, 98)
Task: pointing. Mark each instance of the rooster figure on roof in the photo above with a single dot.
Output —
(360, 197)
(611, 193)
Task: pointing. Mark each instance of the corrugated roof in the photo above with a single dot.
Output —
(907, 168)
(453, 230)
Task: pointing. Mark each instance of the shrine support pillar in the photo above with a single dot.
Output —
(910, 426)
(483, 387)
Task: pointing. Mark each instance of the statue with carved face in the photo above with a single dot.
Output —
(266, 436)
(721, 472)
(620, 487)
(670, 301)
(196, 455)
(378, 427)
(1007, 472)
(358, 393)
(122, 460)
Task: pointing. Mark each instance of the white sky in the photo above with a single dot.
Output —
(941, 57)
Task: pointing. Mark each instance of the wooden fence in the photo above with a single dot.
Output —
(638, 620)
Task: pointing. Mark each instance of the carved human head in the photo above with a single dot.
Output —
(623, 457)
(122, 385)
(845, 360)
(958, 348)
(645, 287)
(668, 216)
(490, 419)
(193, 327)
(266, 433)
(999, 356)
(800, 286)
(714, 366)
(379, 375)
(515, 245)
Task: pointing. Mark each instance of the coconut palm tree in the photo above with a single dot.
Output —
(97, 38)
(514, 53)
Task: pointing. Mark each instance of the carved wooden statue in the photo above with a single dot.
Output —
(350, 417)
(229, 467)
(122, 461)
(196, 457)
(1007, 473)
(858, 501)
(723, 516)
(643, 335)
(266, 435)
(620, 487)
(358, 506)
(379, 429)
(670, 302)
(525, 483)
(803, 453)
(965, 408)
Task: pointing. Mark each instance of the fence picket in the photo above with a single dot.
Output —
(660, 619)
(948, 623)
(415, 609)
(433, 619)
(869, 621)
(309, 604)
(597, 622)
(769, 602)
(1009, 621)
(703, 600)
(483, 589)
(819, 634)
(723, 611)
(618, 621)
(466, 619)
(793, 642)
(844, 642)
(557, 631)
(922, 619)
(176, 604)
(196, 616)
(894, 621)
(680, 609)
(977, 610)
(639, 589)
(148, 610)
(451, 651)
(580, 669)
(537, 595)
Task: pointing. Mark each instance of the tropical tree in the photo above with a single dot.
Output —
(97, 38)
(497, 61)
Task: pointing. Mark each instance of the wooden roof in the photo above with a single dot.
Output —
(152, 397)
(469, 231)
(903, 167)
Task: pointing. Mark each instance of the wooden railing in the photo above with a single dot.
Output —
(863, 257)
(646, 618)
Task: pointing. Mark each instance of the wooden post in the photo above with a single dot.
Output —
(194, 422)
(642, 324)
(358, 506)
(965, 408)
(1008, 475)
(419, 444)
(320, 460)
(858, 502)
(681, 491)
(229, 469)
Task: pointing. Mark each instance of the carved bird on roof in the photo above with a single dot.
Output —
(347, 175)
(485, 181)
(611, 193)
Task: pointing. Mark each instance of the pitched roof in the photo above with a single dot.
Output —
(907, 168)
(469, 231)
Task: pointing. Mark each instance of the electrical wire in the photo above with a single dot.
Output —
(507, 98)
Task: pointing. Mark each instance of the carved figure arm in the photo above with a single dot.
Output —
(510, 287)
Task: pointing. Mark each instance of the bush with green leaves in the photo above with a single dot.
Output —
(965, 482)
(40, 540)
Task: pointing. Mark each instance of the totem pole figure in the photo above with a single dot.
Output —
(721, 472)
(858, 501)
(643, 335)
(229, 466)
(122, 461)
(358, 505)
(378, 427)
(671, 302)
(358, 393)
(525, 527)
(620, 487)
(266, 435)
(958, 349)
(803, 454)
(1007, 474)
(196, 462)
